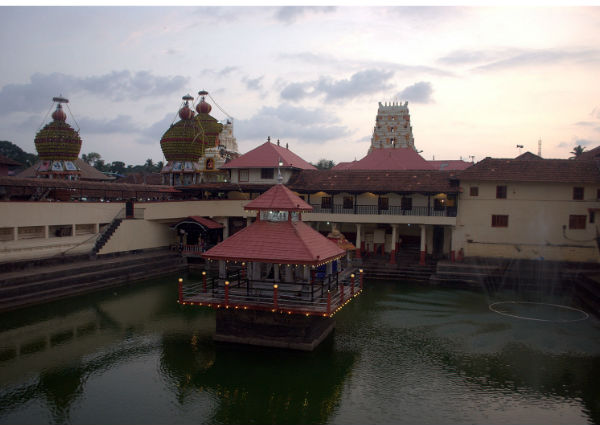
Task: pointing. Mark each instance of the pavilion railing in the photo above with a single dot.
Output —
(322, 296)
(390, 210)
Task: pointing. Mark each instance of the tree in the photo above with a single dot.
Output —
(12, 151)
(324, 164)
(117, 167)
(91, 158)
(577, 150)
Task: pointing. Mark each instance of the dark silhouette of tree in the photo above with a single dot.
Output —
(577, 150)
(324, 164)
(12, 151)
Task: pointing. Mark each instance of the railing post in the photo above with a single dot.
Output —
(180, 290)
(226, 293)
(275, 301)
(204, 281)
(361, 278)
(328, 302)
(352, 285)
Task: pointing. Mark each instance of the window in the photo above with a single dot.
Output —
(499, 220)
(243, 175)
(383, 203)
(406, 203)
(500, 192)
(326, 202)
(598, 194)
(592, 217)
(474, 191)
(577, 221)
(266, 173)
(578, 193)
(348, 202)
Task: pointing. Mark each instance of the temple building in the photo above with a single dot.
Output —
(275, 268)
(58, 146)
(392, 127)
(193, 147)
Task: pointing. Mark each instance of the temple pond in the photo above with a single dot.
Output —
(401, 353)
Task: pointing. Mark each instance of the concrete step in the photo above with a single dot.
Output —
(87, 265)
(86, 275)
(42, 296)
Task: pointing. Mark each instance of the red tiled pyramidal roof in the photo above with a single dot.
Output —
(283, 242)
(357, 181)
(268, 155)
(533, 170)
(389, 159)
(451, 164)
(278, 198)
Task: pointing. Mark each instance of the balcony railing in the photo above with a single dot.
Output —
(391, 210)
(320, 297)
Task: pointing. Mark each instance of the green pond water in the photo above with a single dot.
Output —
(401, 353)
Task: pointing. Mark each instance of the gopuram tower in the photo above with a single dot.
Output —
(392, 127)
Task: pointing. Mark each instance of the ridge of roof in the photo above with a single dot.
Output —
(268, 155)
(278, 198)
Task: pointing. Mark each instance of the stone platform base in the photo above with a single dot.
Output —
(268, 329)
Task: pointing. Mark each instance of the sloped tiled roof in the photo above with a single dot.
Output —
(206, 222)
(7, 161)
(87, 172)
(284, 242)
(278, 198)
(544, 170)
(450, 164)
(528, 155)
(358, 181)
(141, 178)
(389, 159)
(267, 155)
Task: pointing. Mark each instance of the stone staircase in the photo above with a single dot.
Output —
(47, 282)
(106, 234)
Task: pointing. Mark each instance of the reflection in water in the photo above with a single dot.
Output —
(401, 353)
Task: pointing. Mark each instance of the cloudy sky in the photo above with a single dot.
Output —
(478, 80)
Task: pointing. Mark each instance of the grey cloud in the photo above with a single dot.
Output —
(586, 123)
(254, 83)
(519, 58)
(576, 142)
(295, 91)
(289, 14)
(368, 81)
(349, 63)
(36, 95)
(288, 122)
(418, 93)
(503, 58)
(152, 134)
(120, 124)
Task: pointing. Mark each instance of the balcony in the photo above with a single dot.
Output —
(391, 210)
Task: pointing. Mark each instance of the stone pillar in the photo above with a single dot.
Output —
(222, 269)
(329, 268)
(249, 220)
(226, 228)
(72, 230)
(423, 244)
(394, 245)
(289, 276)
(306, 273)
(276, 272)
(358, 240)
(96, 227)
(453, 244)
(47, 232)
(256, 270)
(15, 233)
